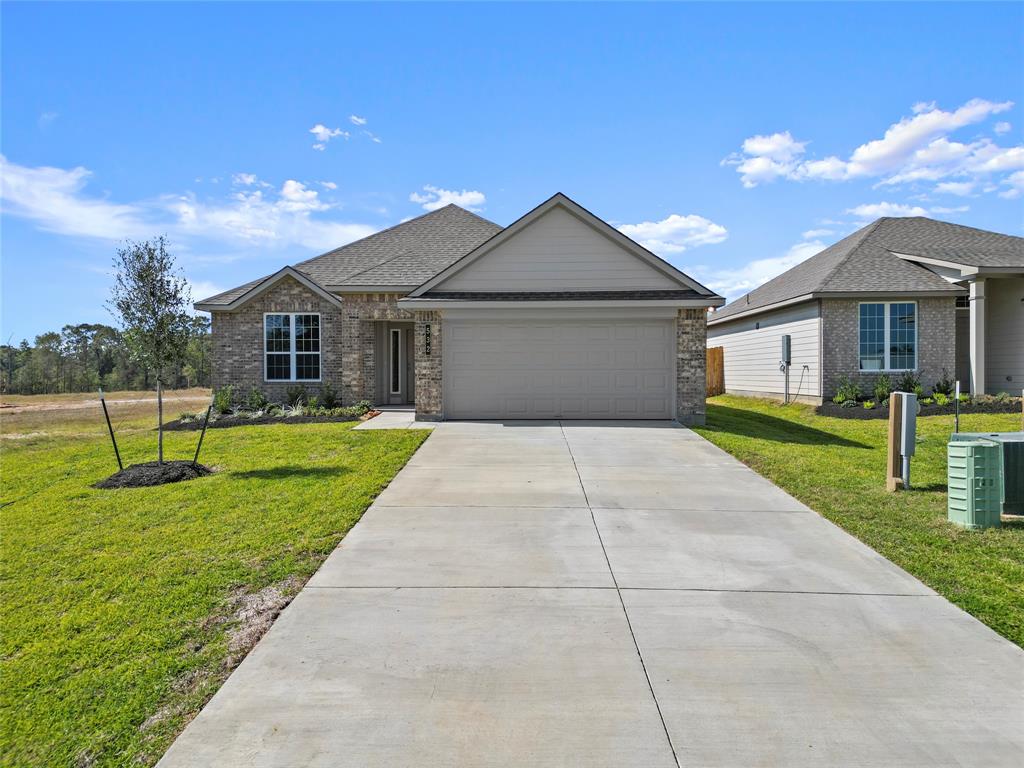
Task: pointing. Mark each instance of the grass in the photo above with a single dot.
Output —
(122, 609)
(837, 467)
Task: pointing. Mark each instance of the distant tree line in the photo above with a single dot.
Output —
(82, 358)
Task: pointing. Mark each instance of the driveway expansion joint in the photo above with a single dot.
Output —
(625, 613)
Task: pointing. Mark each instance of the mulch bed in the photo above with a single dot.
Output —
(859, 412)
(151, 473)
(235, 421)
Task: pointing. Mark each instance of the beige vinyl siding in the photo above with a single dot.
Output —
(1004, 330)
(558, 252)
(753, 349)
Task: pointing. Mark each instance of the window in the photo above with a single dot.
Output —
(291, 345)
(888, 336)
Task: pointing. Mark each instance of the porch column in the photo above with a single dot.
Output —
(428, 371)
(977, 289)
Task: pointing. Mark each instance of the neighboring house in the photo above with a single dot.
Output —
(901, 294)
(558, 315)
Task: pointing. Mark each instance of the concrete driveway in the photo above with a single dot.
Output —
(606, 594)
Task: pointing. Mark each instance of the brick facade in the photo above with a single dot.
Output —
(348, 349)
(238, 341)
(429, 368)
(691, 363)
(840, 340)
(347, 341)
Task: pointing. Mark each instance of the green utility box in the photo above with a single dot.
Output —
(1011, 446)
(974, 483)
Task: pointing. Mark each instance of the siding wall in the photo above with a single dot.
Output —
(558, 252)
(753, 349)
(1004, 327)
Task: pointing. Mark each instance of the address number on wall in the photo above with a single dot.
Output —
(426, 340)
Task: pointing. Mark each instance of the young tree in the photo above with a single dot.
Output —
(151, 300)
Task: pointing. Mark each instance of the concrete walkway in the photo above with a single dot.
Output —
(595, 594)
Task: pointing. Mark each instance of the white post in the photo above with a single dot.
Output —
(977, 302)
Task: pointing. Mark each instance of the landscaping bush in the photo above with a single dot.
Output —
(295, 395)
(313, 403)
(908, 382)
(328, 397)
(883, 387)
(869, 404)
(847, 391)
(942, 398)
(945, 385)
(256, 400)
(222, 399)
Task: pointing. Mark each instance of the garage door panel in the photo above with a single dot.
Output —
(565, 369)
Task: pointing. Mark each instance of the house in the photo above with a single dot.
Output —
(901, 294)
(558, 315)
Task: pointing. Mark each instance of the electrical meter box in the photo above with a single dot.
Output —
(787, 355)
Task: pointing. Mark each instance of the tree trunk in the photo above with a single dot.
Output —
(159, 421)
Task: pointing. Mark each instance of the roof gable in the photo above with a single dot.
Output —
(233, 299)
(559, 246)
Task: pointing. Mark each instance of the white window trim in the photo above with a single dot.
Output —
(885, 317)
(293, 352)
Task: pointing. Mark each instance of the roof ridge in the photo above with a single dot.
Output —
(867, 232)
(384, 231)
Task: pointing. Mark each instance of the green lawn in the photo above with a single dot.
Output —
(837, 467)
(121, 608)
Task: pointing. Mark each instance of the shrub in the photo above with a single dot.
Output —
(941, 398)
(295, 395)
(328, 397)
(944, 385)
(919, 391)
(907, 382)
(883, 386)
(256, 400)
(869, 405)
(222, 399)
(965, 398)
(927, 400)
(185, 417)
(1003, 397)
(848, 404)
(847, 391)
(313, 402)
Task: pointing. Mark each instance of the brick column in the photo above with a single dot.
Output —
(429, 400)
(691, 362)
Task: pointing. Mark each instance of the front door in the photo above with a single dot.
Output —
(398, 366)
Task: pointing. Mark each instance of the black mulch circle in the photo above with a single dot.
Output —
(152, 473)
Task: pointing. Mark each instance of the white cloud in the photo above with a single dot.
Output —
(675, 233)
(324, 134)
(357, 120)
(1002, 127)
(204, 289)
(946, 210)
(958, 188)
(813, 234)
(57, 200)
(877, 210)
(1015, 182)
(733, 283)
(46, 119)
(914, 149)
(244, 179)
(327, 184)
(433, 198)
(54, 199)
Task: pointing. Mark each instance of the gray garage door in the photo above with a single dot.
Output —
(571, 369)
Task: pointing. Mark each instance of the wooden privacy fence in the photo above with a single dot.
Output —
(716, 371)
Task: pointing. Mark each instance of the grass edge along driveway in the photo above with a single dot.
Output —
(837, 467)
(125, 610)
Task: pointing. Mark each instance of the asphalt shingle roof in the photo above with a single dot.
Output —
(864, 262)
(407, 254)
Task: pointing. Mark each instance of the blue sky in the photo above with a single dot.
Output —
(732, 139)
